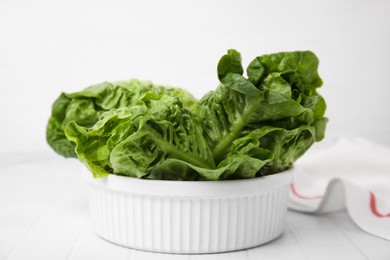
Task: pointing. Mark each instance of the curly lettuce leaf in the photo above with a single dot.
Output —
(85, 107)
(160, 139)
(131, 141)
(280, 91)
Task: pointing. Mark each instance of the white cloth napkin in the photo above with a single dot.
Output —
(351, 174)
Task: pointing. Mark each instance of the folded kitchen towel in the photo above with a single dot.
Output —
(351, 174)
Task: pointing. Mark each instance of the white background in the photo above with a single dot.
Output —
(51, 46)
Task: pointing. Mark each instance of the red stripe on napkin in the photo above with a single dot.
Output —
(295, 192)
(374, 209)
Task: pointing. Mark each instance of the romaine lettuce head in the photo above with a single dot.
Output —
(250, 126)
(277, 102)
(85, 107)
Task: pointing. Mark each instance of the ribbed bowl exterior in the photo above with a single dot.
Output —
(188, 224)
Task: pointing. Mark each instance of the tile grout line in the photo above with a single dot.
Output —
(80, 238)
(355, 244)
(301, 246)
(50, 204)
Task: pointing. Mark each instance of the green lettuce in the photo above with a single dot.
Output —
(159, 139)
(279, 94)
(85, 107)
(250, 126)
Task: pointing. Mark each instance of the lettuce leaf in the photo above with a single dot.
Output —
(85, 107)
(250, 126)
(159, 139)
(280, 91)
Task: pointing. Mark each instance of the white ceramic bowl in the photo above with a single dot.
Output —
(190, 217)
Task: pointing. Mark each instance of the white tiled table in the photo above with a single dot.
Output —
(44, 215)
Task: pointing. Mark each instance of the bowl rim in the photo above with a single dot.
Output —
(173, 188)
